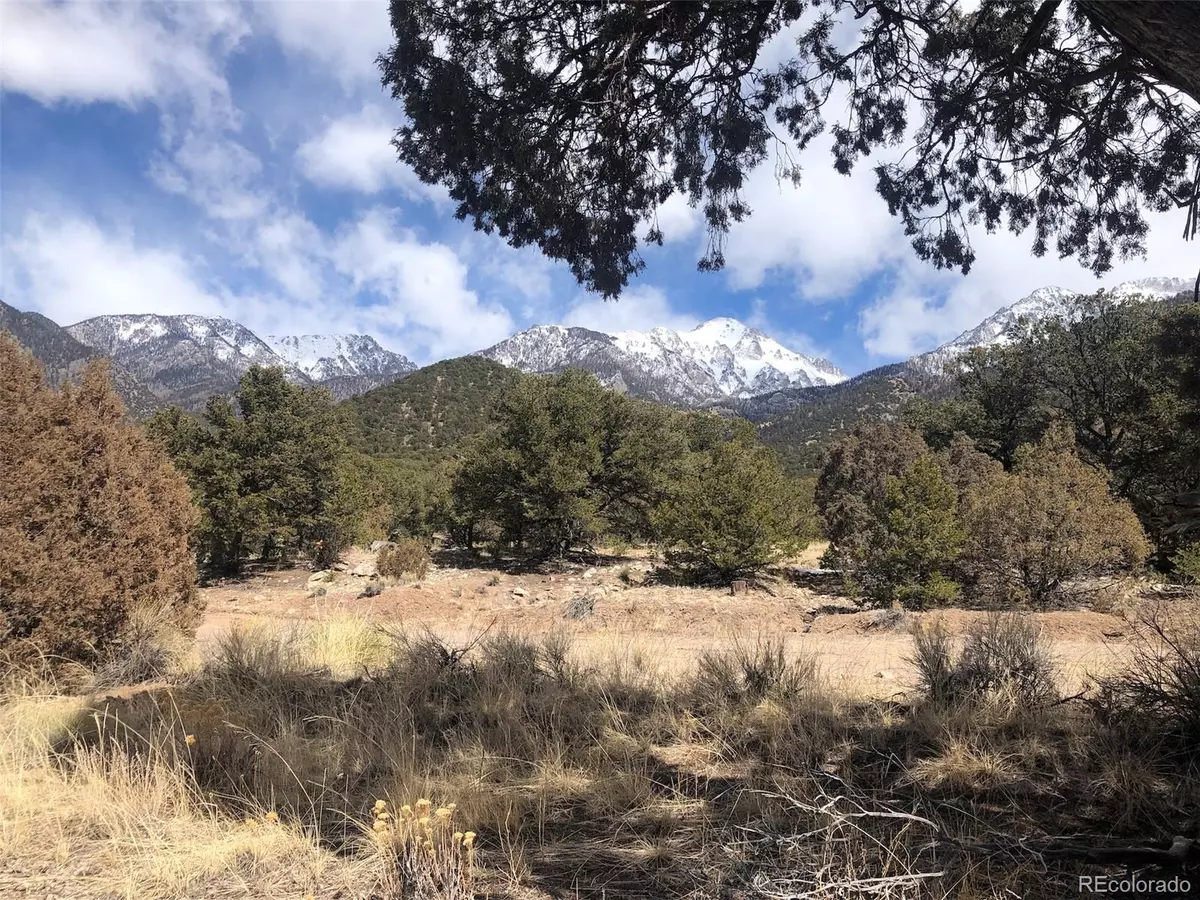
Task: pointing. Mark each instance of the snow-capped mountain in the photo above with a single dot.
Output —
(322, 356)
(1044, 303)
(185, 359)
(226, 341)
(719, 359)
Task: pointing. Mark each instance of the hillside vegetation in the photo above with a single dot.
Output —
(431, 411)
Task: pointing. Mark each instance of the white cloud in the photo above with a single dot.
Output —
(292, 251)
(423, 286)
(70, 269)
(829, 234)
(355, 152)
(345, 37)
(677, 220)
(216, 173)
(640, 308)
(925, 307)
(85, 52)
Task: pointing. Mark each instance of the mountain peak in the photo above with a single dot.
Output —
(322, 356)
(717, 359)
(1044, 303)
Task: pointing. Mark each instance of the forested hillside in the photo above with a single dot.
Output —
(431, 411)
(800, 424)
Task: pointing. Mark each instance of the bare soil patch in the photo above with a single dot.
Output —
(615, 606)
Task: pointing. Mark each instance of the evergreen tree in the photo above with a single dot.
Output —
(913, 549)
(1117, 373)
(268, 482)
(569, 125)
(733, 511)
(566, 462)
(1049, 520)
(851, 490)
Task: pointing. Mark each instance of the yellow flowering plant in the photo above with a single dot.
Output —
(426, 856)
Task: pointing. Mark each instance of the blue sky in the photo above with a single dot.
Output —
(233, 159)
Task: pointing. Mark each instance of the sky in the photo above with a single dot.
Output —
(233, 159)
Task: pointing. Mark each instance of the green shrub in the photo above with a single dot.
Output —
(94, 520)
(733, 513)
(407, 556)
(908, 552)
(1187, 564)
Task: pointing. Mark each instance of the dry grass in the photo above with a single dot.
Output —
(264, 771)
(103, 822)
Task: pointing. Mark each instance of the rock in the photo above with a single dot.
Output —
(589, 573)
(581, 607)
(738, 587)
(323, 575)
(363, 570)
(376, 546)
(520, 592)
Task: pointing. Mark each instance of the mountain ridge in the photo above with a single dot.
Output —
(721, 358)
(1043, 303)
(186, 358)
(721, 364)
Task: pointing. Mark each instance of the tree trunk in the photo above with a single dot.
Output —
(1164, 36)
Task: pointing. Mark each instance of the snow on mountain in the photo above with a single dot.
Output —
(323, 356)
(746, 361)
(220, 338)
(1044, 303)
(1157, 288)
(718, 359)
(184, 359)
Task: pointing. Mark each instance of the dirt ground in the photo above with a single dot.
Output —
(625, 612)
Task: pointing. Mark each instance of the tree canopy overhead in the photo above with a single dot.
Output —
(567, 125)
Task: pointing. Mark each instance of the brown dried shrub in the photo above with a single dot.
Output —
(407, 556)
(94, 520)
(1050, 520)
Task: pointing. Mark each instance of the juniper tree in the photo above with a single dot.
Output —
(568, 125)
(94, 520)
